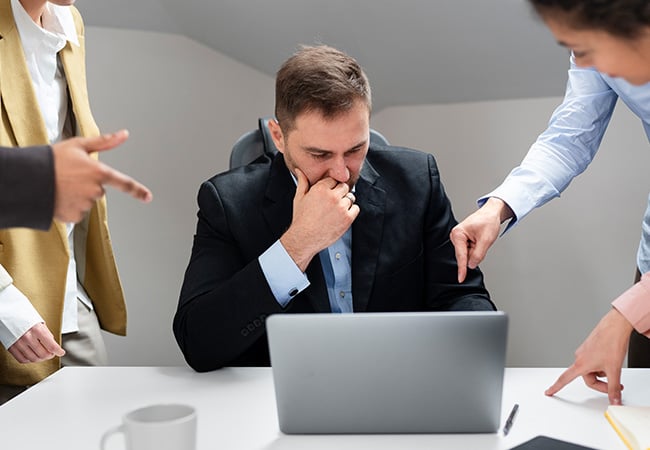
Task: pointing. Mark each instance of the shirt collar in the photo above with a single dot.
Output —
(58, 27)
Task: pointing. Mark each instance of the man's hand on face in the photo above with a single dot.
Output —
(322, 213)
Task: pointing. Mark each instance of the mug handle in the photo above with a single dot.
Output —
(108, 433)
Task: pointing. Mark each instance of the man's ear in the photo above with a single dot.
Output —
(276, 134)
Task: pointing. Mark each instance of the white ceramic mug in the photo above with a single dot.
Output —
(157, 427)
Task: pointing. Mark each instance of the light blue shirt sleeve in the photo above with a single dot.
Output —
(283, 275)
(565, 149)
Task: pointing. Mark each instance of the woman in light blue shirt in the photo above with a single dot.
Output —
(610, 45)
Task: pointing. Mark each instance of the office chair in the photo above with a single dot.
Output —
(257, 146)
(638, 351)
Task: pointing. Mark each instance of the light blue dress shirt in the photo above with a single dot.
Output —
(570, 143)
(286, 280)
(337, 263)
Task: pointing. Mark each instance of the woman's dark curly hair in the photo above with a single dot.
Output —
(622, 18)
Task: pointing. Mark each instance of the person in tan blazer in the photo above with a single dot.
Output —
(39, 263)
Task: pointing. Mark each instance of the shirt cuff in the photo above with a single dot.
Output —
(17, 315)
(284, 277)
(634, 305)
(523, 190)
(507, 224)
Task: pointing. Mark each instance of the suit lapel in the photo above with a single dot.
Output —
(72, 59)
(18, 96)
(280, 190)
(277, 212)
(366, 236)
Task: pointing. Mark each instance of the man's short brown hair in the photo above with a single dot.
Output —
(319, 78)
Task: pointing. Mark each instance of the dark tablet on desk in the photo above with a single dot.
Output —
(547, 443)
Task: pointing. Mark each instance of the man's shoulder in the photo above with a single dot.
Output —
(244, 177)
(394, 151)
(395, 157)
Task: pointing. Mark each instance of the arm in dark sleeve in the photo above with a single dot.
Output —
(441, 271)
(26, 187)
(225, 297)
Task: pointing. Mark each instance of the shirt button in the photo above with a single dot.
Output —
(342, 294)
(338, 255)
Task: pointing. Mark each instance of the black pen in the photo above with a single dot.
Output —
(510, 420)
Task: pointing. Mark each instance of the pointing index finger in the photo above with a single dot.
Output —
(459, 242)
(567, 376)
(127, 185)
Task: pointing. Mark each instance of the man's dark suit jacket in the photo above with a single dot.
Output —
(402, 258)
(26, 187)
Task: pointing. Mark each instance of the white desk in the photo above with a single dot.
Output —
(236, 410)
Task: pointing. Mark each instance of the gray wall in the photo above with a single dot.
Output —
(185, 105)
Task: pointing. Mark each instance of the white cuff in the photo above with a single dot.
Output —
(17, 315)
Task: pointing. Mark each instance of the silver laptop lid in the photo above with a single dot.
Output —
(424, 372)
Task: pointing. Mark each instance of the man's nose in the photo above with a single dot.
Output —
(339, 171)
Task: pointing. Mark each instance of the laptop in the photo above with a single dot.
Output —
(421, 372)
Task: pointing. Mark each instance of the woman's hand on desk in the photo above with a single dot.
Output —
(600, 355)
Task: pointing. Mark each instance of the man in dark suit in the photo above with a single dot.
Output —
(331, 225)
